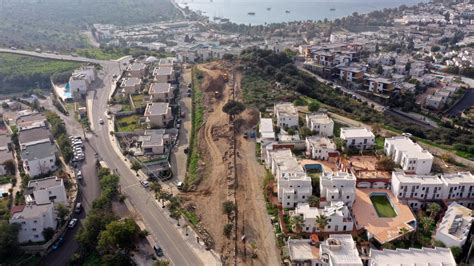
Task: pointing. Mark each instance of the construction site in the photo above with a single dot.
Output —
(229, 172)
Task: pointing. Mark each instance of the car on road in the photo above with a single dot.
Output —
(101, 121)
(79, 175)
(180, 185)
(72, 223)
(78, 208)
(145, 183)
(58, 243)
(158, 251)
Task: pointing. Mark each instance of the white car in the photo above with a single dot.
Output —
(101, 121)
(145, 183)
(72, 223)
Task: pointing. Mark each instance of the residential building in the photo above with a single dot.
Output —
(293, 185)
(324, 58)
(39, 159)
(136, 70)
(46, 190)
(160, 92)
(5, 155)
(303, 252)
(337, 186)
(266, 130)
(29, 120)
(286, 115)
(459, 187)
(321, 124)
(130, 85)
(81, 79)
(33, 220)
(454, 229)
(340, 250)
(359, 138)
(412, 256)
(164, 74)
(320, 148)
(435, 102)
(409, 155)
(351, 74)
(338, 214)
(416, 190)
(158, 114)
(167, 62)
(34, 136)
(153, 142)
(381, 85)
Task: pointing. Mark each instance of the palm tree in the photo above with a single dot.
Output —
(403, 231)
(434, 209)
(296, 222)
(321, 222)
(426, 223)
(156, 187)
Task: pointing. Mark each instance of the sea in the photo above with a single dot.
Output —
(275, 11)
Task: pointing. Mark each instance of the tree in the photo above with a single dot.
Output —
(228, 207)
(408, 66)
(380, 69)
(228, 229)
(48, 233)
(118, 235)
(321, 222)
(291, 131)
(161, 262)
(5, 105)
(157, 188)
(456, 252)
(8, 239)
(313, 201)
(10, 167)
(426, 223)
(385, 164)
(95, 222)
(296, 222)
(136, 166)
(313, 107)
(433, 209)
(233, 108)
(62, 212)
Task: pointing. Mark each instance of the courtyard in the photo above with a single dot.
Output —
(382, 206)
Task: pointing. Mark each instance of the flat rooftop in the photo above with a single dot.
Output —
(384, 229)
(458, 178)
(302, 250)
(421, 179)
(456, 221)
(286, 108)
(156, 108)
(321, 142)
(163, 71)
(412, 256)
(411, 149)
(159, 88)
(354, 132)
(320, 118)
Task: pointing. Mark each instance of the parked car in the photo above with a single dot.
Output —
(79, 175)
(58, 243)
(180, 185)
(158, 251)
(145, 183)
(72, 223)
(78, 208)
(101, 121)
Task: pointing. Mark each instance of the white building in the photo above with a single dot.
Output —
(454, 229)
(320, 148)
(340, 250)
(286, 115)
(359, 138)
(409, 155)
(338, 214)
(303, 252)
(417, 189)
(294, 186)
(320, 123)
(158, 114)
(46, 190)
(338, 186)
(39, 159)
(33, 136)
(459, 187)
(161, 92)
(163, 74)
(412, 256)
(136, 70)
(266, 130)
(153, 142)
(81, 79)
(33, 220)
(130, 85)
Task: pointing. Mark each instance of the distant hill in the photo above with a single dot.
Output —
(56, 24)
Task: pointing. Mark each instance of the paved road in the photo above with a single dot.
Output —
(53, 56)
(163, 232)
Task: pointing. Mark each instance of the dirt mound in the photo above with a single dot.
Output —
(247, 120)
(213, 83)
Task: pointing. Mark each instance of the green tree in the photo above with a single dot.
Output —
(48, 233)
(385, 164)
(380, 69)
(313, 107)
(313, 201)
(296, 222)
(233, 108)
(62, 212)
(10, 167)
(118, 235)
(136, 166)
(95, 222)
(228, 230)
(228, 207)
(433, 209)
(157, 188)
(291, 131)
(305, 132)
(426, 223)
(321, 222)
(161, 262)
(456, 252)
(8, 240)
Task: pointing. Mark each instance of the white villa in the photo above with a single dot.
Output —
(409, 155)
(320, 148)
(320, 123)
(454, 229)
(286, 115)
(338, 215)
(359, 138)
(338, 186)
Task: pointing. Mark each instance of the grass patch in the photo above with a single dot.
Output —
(112, 53)
(138, 100)
(379, 142)
(5, 180)
(191, 217)
(382, 206)
(197, 118)
(128, 123)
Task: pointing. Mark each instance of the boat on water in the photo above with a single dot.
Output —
(269, 8)
(332, 9)
(251, 13)
(287, 11)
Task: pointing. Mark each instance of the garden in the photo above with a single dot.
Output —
(383, 207)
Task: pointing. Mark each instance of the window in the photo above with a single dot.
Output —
(34, 221)
(288, 197)
(329, 227)
(303, 197)
(36, 236)
(34, 229)
(348, 197)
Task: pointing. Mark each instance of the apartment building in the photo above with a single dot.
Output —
(351, 74)
(459, 187)
(304, 252)
(338, 214)
(158, 114)
(81, 79)
(161, 92)
(164, 74)
(39, 159)
(320, 148)
(286, 115)
(324, 58)
(46, 190)
(381, 85)
(412, 256)
(136, 70)
(29, 120)
(33, 219)
(409, 155)
(455, 226)
(320, 123)
(293, 185)
(416, 190)
(33, 136)
(340, 250)
(359, 138)
(153, 142)
(337, 186)
(131, 85)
